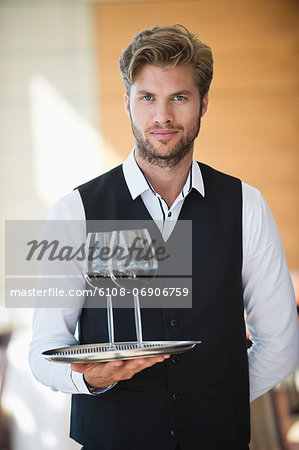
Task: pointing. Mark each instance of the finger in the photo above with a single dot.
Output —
(88, 367)
(108, 368)
(78, 367)
(152, 361)
(132, 368)
(141, 363)
(135, 363)
(112, 367)
(113, 364)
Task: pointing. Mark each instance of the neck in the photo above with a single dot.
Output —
(166, 181)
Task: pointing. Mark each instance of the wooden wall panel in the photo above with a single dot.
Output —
(250, 130)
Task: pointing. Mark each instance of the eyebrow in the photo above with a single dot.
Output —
(183, 92)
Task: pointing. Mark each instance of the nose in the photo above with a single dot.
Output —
(163, 113)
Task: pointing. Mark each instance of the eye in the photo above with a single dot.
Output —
(179, 98)
(147, 98)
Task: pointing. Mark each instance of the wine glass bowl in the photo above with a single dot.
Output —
(133, 262)
(95, 266)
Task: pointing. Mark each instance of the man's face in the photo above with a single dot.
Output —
(165, 110)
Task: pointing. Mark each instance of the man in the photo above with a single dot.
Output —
(198, 400)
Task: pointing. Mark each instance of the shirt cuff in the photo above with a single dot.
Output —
(79, 383)
(82, 388)
(97, 391)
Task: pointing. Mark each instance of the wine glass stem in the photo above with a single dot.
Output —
(110, 321)
(138, 320)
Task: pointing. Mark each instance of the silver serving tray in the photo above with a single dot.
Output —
(94, 353)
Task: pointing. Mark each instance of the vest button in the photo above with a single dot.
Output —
(175, 359)
(174, 322)
(172, 433)
(176, 396)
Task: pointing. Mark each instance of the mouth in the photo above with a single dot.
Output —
(164, 134)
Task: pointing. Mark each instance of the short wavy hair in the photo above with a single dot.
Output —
(172, 46)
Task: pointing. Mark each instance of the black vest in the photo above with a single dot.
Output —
(199, 399)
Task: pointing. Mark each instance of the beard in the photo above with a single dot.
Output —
(151, 153)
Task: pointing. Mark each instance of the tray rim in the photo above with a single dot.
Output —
(162, 347)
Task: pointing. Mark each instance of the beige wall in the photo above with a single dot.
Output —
(46, 62)
(250, 129)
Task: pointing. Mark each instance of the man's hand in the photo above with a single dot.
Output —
(101, 375)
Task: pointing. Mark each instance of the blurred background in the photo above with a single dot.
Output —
(62, 123)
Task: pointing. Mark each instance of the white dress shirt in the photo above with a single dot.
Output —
(269, 299)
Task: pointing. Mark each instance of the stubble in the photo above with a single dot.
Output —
(155, 154)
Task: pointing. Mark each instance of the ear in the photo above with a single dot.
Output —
(127, 104)
(205, 103)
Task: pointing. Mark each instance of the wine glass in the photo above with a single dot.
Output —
(128, 258)
(96, 270)
(133, 265)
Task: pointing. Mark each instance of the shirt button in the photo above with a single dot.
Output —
(176, 396)
(175, 358)
(174, 322)
(172, 433)
(169, 214)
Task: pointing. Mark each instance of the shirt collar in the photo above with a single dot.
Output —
(137, 183)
